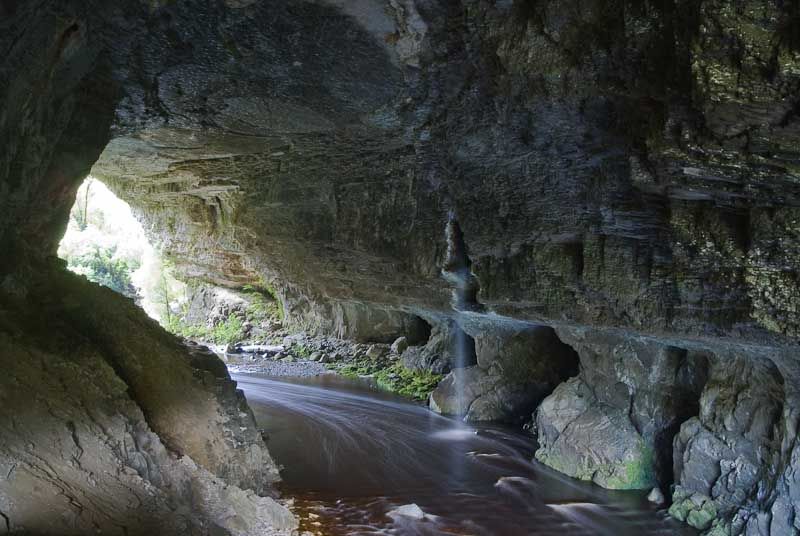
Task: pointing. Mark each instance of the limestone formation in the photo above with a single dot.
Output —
(517, 366)
(113, 426)
(624, 174)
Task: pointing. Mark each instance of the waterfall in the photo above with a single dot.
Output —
(457, 270)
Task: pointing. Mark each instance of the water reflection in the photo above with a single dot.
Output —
(353, 455)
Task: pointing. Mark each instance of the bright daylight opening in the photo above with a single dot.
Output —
(106, 243)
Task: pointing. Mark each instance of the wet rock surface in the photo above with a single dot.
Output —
(625, 172)
(515, 369)
(717, 416)
(737, 459)
(614, 422)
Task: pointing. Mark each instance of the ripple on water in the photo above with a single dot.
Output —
(355, 455)
(455, 434)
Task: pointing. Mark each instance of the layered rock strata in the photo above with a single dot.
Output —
(626, 169)
(112, 426)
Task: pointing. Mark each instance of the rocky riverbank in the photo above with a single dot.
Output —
(581, 213)
(301, 355)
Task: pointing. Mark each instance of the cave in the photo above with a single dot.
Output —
(425, 237)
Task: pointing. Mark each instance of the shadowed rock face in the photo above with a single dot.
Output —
(596, 159)
(608, 164)
(112, 426)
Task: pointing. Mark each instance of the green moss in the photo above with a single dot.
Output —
(637, 473)
(411, 383)
(392, 377)
(356, 369)
(699, 511)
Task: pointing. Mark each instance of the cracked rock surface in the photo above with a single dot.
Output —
(625, 172)
(112, 426)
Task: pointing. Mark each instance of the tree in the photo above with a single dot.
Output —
(82, 212)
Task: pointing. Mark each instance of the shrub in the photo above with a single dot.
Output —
(101, 266)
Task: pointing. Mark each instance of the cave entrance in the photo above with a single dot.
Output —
(105, 243)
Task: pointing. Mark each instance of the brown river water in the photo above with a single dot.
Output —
(353, 454)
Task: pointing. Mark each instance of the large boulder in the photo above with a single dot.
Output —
(585, 439)
(739, 457)
(516, 367)
(613, 423)
(439, 353)
(110, 424)
(476, 395)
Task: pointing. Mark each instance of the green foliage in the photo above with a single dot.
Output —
(354, 369)
(230, 331)
(302, 351)
(412, 383)
(101, 266)
(264, 304)
(395, 377)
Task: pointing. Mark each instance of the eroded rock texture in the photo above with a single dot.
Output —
(608, 164)
(112, 426)
(515, 367)
(625, 405)
(597, 160)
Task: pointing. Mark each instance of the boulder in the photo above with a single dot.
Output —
(477, 395)
(377, 351)
(399, 345)
(613, 423)
(407, 510)
(516, 367)
(589, 441)
(182, 469)
(741, 442)
(656, 496)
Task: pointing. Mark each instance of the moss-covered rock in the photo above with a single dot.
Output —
(696, 509)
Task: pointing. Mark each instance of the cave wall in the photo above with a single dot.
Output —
(109, 425)
(112, 426)
(596, 158)
(628, 165)
(599, 164)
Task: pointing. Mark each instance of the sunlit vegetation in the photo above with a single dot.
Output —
(261, 307)
(106, 244)
(230, 331)
(102, 266)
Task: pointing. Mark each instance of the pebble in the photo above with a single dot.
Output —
(408, 510)
(656, 497)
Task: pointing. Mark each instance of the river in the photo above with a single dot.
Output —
(353, 454)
